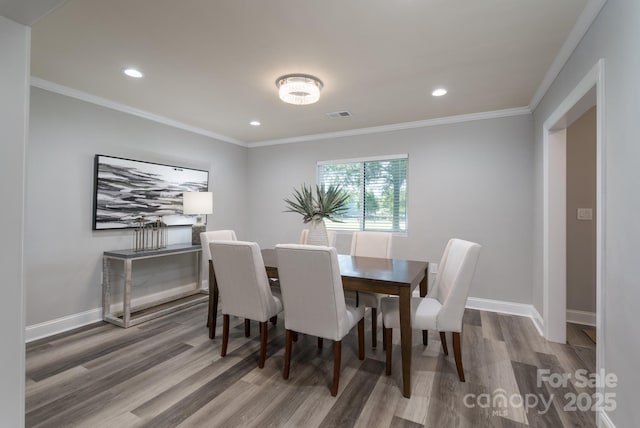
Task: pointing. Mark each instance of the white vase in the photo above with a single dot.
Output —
(318, 233)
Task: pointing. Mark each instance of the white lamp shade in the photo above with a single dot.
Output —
(197, 203)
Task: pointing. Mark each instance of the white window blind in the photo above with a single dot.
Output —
(378, 189)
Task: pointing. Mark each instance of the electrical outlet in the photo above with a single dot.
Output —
(585, 214)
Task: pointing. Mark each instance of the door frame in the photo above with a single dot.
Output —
(554, 211)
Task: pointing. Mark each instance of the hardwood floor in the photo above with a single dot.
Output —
(168, 373)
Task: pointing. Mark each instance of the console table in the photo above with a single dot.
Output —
(152, 310)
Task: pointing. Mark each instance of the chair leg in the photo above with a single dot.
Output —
(337, 355)
(210, 311)
(247, 327)
(443, 340)
(457, 352)
(225, 335)
(388, 335)
(374, 327)
(213, 308)
(210, 316)
(361, 339)
(264, 334)
(425, 337)
(320, 343)
(274, 320)
(287, 354)
(384, 338)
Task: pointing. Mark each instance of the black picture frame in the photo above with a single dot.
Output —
(126, 190)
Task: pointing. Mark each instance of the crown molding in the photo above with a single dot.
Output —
(586, 18)
(93, 99)
(495, 114)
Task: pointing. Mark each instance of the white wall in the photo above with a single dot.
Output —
(15, 44)
(614, 36)
(470, 180)
(63, 256)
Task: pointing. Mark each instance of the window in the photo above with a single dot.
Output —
(378, 189)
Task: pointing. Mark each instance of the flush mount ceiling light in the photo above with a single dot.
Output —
(132, 72)
(254, 123)
(299, 89)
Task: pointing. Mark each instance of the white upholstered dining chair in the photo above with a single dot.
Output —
(443, 308)
(370, 244)
(314, 300)
(205, 238)
(244, 288)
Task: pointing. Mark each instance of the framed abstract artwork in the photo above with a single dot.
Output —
(127, 191)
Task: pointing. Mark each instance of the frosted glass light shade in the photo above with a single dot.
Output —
(299, 89)
(197, 203)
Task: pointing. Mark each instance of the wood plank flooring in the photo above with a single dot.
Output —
(167, 373)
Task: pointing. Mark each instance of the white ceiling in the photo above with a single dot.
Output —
(213, 64)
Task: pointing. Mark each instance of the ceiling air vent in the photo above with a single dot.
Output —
(339, 114)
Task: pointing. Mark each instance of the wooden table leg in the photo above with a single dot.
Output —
(405, 339)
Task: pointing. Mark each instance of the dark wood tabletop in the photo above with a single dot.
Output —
(400, 272)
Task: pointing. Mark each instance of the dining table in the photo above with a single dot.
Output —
(396, 277)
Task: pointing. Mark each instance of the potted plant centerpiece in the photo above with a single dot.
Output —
(328, 202)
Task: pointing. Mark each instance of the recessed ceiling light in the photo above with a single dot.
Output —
(439, 92)
(254, 123)
(132, 72)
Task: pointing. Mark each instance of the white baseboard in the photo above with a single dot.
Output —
(604, 421)
(581, 317)
(511, 308)
(537, 320)
(69, 322)
(60, 325)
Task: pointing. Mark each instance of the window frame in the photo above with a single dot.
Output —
(362, 161)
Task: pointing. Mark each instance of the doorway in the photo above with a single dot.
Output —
(581, 230)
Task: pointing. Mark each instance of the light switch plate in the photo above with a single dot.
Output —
(585, 214)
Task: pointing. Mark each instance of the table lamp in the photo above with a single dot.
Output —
(198, 203)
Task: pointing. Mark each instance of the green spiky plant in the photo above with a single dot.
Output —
(326, 203)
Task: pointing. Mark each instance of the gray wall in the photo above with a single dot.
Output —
(469, 180)
(614, 36)
(581, 193)
(15, 41)
(62, 254)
